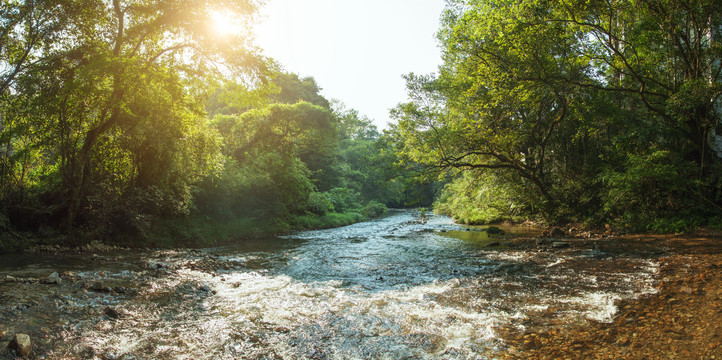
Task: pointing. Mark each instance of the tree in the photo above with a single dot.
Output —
(564, 94)
(101, 55)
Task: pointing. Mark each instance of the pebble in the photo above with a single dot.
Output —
(112, 313)
(53, 278)
(100, 286)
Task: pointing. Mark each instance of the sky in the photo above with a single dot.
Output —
(357, 50)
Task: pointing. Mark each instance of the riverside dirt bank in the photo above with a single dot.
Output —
(683, 320)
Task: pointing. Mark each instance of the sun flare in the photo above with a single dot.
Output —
(224, 23)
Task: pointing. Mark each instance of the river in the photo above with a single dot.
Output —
(390, 288)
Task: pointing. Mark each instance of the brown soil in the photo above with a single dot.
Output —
(683, 320)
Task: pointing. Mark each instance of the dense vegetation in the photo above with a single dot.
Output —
(134, 122)
(601, 112)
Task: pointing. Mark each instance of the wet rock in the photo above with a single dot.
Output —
(53, 278)
(539, 242)
(493, 230)
(111, 313)
(21, 344)
(206, 288)
(560, 244)
(493, 244)
(100, 286)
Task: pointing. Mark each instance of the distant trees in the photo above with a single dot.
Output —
(586, 111)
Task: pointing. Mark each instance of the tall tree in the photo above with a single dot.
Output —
(107, 53)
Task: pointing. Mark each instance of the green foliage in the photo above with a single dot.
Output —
(572, 112)
(319, 203)
(482, 198)
(329, 220)
(119, 118)
(373, 209)
(656, 192)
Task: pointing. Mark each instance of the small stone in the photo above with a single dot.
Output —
(53, 278)
(100, 287)
(112, 313)
(21, 344)
(206, 288)
(560, 244)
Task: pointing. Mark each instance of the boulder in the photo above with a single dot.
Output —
(21, 344)
(557, 232)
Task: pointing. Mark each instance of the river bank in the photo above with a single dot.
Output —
(185, 232)
(680, 321)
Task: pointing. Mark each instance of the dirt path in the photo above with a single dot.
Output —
(682, 321)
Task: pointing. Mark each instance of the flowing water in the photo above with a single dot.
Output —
(392, 288)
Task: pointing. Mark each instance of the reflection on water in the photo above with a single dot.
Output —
(391, 288)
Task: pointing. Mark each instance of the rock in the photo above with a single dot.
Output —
(100, 287)
(493, 244)
(21, 344)
(493, 230)
(557, 232)
(206, 288)
(112, 313)
(560, 244)
(541, 242)
(53, 278)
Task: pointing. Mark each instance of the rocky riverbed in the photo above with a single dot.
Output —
(682, 320)
(391, 288)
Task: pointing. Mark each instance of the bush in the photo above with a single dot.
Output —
(373, 209)
(654, 192)
(343, 199)
(319, 203)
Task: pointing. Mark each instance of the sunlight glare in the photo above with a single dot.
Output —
(224, 23)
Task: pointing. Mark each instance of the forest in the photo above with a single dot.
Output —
(590, 112)
(133, 123)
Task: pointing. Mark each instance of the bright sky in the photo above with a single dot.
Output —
(356, 50)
